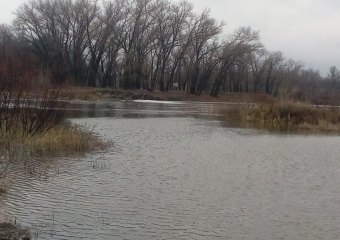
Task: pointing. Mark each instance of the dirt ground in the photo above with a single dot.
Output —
(95, 94)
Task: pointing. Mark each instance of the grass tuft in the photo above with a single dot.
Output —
(4, 186)
(61, 138)
(74, 138)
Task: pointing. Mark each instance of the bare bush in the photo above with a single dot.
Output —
(26, 108)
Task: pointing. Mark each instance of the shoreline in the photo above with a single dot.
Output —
(97, 94)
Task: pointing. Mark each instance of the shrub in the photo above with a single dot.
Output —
(26, 105)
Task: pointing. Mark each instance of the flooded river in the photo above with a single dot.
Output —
(176, 173)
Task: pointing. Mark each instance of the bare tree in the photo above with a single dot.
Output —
(259, 64)
(100, 26)
(285, 83)
(150, 44)
(275, 65)
(241, 43)
(333, 77)
(205, 33)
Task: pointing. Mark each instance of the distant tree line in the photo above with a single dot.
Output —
(153, 44)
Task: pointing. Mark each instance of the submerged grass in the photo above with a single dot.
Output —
(296, 114)
(13, 231)
(67, 138)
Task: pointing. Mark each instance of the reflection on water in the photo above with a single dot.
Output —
(137, 109)
(176, 174)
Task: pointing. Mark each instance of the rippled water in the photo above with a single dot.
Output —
(174, 173)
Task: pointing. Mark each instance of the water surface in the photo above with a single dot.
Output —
(175, 173)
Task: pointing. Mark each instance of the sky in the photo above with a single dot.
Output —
(306, 30)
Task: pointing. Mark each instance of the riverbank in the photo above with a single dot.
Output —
(96, 94)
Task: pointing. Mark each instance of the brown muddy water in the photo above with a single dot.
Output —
(175, 173)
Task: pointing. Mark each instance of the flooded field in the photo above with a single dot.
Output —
(175, 172)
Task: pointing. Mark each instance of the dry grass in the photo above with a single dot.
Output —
(234, 112)
(86, 95)
(323, 126)
(61, 138)
(296, 114)
(75, 138)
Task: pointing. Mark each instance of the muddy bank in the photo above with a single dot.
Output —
(95, 94)
(11, 231)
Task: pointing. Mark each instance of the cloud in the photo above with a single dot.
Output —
(7, 7)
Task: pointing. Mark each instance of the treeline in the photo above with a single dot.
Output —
(153, 44)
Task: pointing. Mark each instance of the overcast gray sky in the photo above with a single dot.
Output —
(306, 30)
